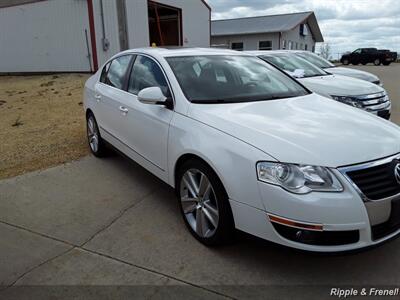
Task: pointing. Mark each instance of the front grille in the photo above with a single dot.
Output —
(376, 182)
(374, 102)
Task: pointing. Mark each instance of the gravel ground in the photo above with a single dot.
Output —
(42, 122)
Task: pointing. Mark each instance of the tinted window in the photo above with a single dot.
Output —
(116, 71)
(290, 63)
(315, 59)
(146, 73)
(103, 76)
(219, 78)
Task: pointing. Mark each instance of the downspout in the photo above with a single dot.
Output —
(280, 37)
(92, 35)
(104, 40)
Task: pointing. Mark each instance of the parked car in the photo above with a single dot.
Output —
(369, 55)
(329, 67)
(358, 93)
(246, 146)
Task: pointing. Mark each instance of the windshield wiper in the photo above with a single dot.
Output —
(316, 75)
(243, 99)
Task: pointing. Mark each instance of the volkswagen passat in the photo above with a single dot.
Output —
(355, 92)
(246, 146)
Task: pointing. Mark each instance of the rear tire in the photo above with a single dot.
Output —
(204, 203)
(377, 62)
(96, 143)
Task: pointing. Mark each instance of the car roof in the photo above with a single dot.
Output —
(183, 51)
(265, 52)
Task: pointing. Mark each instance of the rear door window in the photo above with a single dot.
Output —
(114, 72)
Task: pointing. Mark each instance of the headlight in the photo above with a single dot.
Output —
(299, 179)
(348, 100)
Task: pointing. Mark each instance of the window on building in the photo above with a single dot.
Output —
(290, 45)
(237, 46)
(296, 46)
(306, 47)
(284, 44)
(265, 45)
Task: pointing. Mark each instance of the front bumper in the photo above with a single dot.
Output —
(348, 223)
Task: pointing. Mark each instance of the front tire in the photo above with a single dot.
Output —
(377, 62)
(204, 204)
(96, 143)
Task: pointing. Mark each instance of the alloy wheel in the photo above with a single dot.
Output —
(199, 203)
(93, 134)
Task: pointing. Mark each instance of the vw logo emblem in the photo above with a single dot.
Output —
(397, 172)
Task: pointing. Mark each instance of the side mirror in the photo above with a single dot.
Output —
(152, 95)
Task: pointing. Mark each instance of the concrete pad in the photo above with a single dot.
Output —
(85, 273)
(72, 202)
(80, 267)
(153, 235)
(20, 251)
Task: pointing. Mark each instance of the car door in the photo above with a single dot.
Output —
(355, 56)
(108, 92)
(145, 127)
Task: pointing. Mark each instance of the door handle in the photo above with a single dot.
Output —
(123, 109)
(97, 97)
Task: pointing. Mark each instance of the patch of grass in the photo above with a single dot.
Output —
(49, 130)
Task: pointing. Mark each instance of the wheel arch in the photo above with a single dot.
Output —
(88, 113)
(188, 156)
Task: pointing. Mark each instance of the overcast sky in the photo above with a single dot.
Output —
(345, 24)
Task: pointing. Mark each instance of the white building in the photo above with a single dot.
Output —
(288, 31)
(80, 35)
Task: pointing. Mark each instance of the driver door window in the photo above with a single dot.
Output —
(146, 73)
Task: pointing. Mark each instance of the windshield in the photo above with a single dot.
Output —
(291, 63)
(229, 79)
(316, 60)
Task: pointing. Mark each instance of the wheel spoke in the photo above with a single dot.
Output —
(201, 223)
(211, 213)
(189, 207)
(204, 185)
(190, 183)
(91, 126)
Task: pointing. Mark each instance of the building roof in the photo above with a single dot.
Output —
(266, 24)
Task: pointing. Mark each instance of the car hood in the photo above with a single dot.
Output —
(353, 73)
(304, 130)
(339, 85)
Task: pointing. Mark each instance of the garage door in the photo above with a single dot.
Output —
(46, 36)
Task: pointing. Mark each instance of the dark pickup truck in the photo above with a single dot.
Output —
(369, 55)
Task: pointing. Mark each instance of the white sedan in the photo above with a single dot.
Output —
(352, 91)
(246, 146)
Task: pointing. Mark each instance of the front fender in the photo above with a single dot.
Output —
(233, 160)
